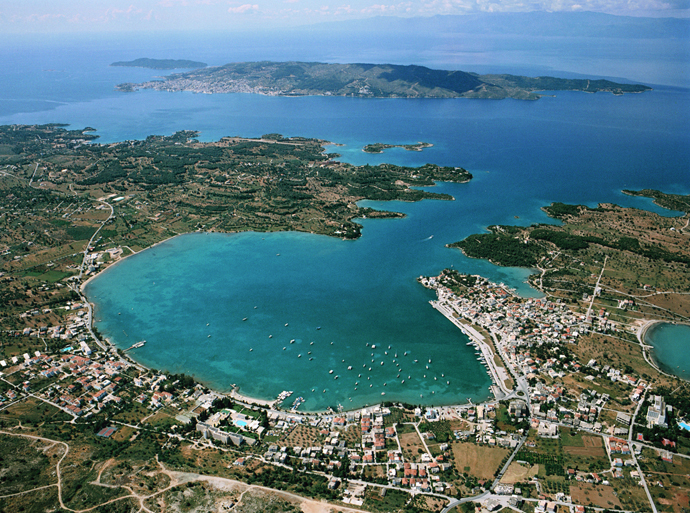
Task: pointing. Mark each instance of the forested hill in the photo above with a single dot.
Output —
(368, 80)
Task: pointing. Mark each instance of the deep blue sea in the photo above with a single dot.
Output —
(188, 296)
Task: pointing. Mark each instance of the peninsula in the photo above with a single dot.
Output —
(368, 81)
(160, 64)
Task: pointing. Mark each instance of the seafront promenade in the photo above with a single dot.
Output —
(498, 375)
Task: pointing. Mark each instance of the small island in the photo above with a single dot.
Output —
(161, 64)
(379, 147)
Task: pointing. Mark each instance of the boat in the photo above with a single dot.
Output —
(286, 324)
(292, 341)
(349, 367)
(270, 336)
(245, 319)
(299, 355)
(330, 371)
(250, 350)
(318, 328)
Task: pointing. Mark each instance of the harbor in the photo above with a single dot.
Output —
(484, 352)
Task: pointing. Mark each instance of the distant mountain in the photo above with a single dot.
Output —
(161, 64)
(368, 81)
(533, 24)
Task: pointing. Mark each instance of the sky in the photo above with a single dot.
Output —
(31, 16)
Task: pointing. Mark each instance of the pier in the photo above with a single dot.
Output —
(478, 340)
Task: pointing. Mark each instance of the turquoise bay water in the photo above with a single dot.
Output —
(671, 344)
(189, 296)
(574, 147)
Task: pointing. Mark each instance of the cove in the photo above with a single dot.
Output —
(671, 343)
(188, 297)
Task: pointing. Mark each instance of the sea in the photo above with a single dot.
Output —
(345, 323)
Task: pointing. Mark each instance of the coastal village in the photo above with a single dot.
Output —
(581, 419)
(493, 455)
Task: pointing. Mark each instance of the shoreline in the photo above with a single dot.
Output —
(235, 393)
(122, 259)
(648, 349)
(479, 342)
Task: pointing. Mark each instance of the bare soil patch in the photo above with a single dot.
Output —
(519, 472)
(411, 445)
(595, 495)
(482, 460)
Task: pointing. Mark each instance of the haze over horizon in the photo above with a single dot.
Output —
(41, 16)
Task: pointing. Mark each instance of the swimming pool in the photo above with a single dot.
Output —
(243, 423)
(684, 425)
